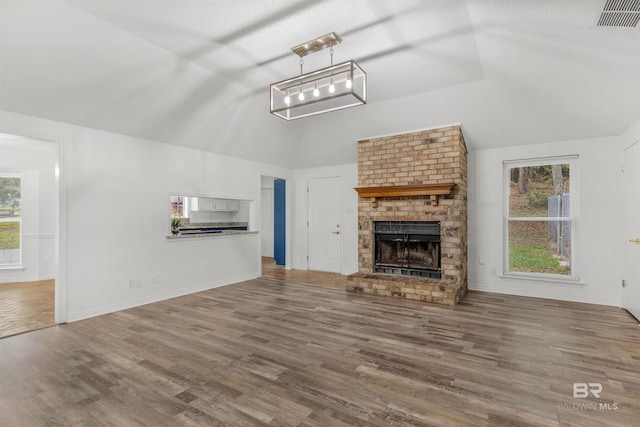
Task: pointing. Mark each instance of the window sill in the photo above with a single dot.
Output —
(546, 279)
(13, 267)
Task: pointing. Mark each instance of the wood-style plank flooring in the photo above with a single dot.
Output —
(306, 277)
(26, 306)
(264, 352)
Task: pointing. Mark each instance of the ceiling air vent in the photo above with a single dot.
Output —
(620, 13)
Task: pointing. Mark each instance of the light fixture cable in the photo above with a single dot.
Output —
(332, 87)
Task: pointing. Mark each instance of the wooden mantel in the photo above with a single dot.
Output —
(432, 190)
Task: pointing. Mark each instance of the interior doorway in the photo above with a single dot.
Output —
(273, 219)
(28, 233)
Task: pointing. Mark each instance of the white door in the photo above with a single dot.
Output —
(325, 224)
(631, 212)
(266, 222)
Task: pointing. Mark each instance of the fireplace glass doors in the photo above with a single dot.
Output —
(410, 248)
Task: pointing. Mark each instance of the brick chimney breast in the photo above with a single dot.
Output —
(435, 156)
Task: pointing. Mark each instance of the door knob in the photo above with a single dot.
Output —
(335, 232)
(636, 240)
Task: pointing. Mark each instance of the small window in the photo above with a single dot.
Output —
(179, 207)
(540, 209)
(10, 220)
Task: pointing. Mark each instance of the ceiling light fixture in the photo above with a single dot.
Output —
(335, 87)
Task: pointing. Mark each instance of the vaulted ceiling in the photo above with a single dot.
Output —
(196, 72)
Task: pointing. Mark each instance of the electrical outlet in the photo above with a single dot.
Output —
(135, 283)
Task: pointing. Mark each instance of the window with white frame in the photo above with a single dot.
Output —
(540, 210)
(10, 220)
(179, 207)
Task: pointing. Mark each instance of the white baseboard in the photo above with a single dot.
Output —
(21, 278)
(110, 308)
(539, 293)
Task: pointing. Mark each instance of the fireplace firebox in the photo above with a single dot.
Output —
(410, 248)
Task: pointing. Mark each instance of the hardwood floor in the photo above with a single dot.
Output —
(264, 352)
(26, 306)
(277, 272)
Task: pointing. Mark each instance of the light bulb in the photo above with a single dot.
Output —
(332, 87)
(287, 100)
(316, 92)
(301, 96)
(349, 84)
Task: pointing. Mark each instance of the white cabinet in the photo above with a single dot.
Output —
(220, 205)
(233, 205)
(205, 204)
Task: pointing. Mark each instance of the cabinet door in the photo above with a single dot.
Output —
(233, 205)
(205, 204)
(220, 204)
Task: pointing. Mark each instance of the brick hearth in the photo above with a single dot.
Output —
(433, 156)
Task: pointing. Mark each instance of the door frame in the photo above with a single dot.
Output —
(341, 199)
(625, 236)
(60, 309)
(288, 216)
(262, 212)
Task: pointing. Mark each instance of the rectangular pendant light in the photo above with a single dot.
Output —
(328, 89)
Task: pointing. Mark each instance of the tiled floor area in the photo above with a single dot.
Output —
(26, 307)
(277, 272)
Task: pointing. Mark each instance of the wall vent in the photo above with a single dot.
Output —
(620, 13)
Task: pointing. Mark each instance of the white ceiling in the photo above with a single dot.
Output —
(196, 72)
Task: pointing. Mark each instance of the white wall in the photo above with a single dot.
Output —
(37, 170)
(596, 242)
(631, 135)
(114, 210)
(114, 191)
(349, 177)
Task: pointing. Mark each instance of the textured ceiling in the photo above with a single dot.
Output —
(196, 72)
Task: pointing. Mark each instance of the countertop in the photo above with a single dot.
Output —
(211, 229)
(210, 235)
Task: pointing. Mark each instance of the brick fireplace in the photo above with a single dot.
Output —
(411, 185)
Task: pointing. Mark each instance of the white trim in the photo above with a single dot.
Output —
(541, 161)
(12, 267)
(110, 308)
(39, 236)
(541, 218)
(536, 292)
(61, 247)
(507, 165)
(541, 277)
(27, 279)
(61, 259)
